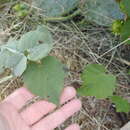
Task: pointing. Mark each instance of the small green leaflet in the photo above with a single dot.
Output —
(45, 79)
(96, 82)
(125, 4)
(20, 7)
(102, 12)
(125, 31)
(55, 8)
(33, 46)
(122, 105)
(116, 27)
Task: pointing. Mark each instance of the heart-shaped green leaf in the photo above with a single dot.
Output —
(45, 79)
(96, 82)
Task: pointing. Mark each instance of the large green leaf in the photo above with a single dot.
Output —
(12, 60)
(45, 79)
(37, 43)
(33, 46)
(34, 38)
(96, 82)
(55, 8)
(102, 12)
(122, 105)
(125, 31)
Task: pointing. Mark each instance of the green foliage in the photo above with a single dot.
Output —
(122, 105)
(44, 76)
(33, 46)
(117, 26)
(45, 79)
(125, 31)
(55, 8)
(102, 12)
(125, 6)
(96, 82)
(13, 60)
(37, 43)
(19, 7)
(22, 13)
(21, 10)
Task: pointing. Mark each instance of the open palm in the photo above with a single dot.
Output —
(38, 116)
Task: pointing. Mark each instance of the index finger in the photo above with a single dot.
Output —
(59, 116)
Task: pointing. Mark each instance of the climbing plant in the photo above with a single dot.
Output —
(29, 57)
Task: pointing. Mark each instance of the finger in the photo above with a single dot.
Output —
(36, 111)
(11, 117)
(73, 127)
(68, 94)
(126, 127)
(19, 97)
(58, 117)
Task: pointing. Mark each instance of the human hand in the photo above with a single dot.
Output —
(31, 117)
(126, 127)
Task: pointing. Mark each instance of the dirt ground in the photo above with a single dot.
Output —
(77, 45)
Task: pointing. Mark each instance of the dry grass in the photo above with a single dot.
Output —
(77, 47)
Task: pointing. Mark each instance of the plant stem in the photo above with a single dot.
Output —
(58, 19)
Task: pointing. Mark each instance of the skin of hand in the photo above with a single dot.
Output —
(42, 115)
